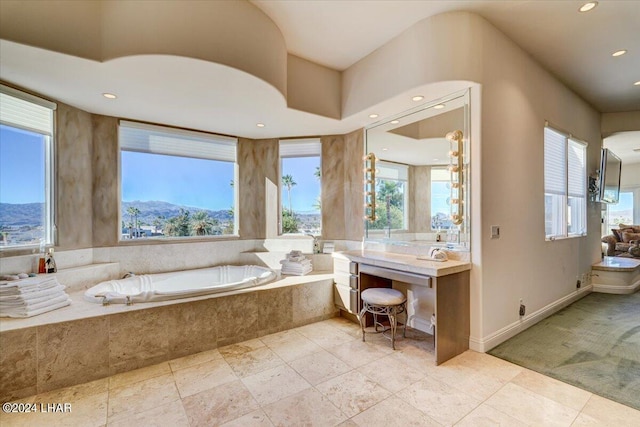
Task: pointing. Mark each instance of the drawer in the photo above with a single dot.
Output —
(343, 279)
(342, 297)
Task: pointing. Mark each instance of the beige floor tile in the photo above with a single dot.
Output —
(487, 365)
(219, 405)
(391, 374)
(393, 412)
(240, 348)
(325, 335)
(471, 381)
(256, 418)
(291, 345)
(131, 377)
(194, 359)
(348, 423)
(140, 396)
(320, 367)
(274, 384)
(485, 416)
(73, 393)
(357, 353)
(558, 391)
(353, 392)
(344, 325)
(307, 408)
(171, 414)
(531, 408)
(442, 402)
(89, 411)
(418, 359)
(253, 361)
(607, 412)
(202, 377)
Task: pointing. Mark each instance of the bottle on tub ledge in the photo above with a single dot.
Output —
(50, 262)
(42, 259)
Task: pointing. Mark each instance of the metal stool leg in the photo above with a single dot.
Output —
(361, 318)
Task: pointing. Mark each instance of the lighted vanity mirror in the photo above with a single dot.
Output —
(416, 175)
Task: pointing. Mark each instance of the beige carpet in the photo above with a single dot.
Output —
(593, 344)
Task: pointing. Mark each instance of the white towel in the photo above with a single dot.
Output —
(289, 262)
(29, 296)
(25, 286)
(28, 312)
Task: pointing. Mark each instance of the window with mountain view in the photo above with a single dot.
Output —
(26, 169)
(176, 183)
(300, 186)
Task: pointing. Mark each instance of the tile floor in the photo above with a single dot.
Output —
(324, 375)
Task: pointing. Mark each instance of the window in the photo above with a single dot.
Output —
(565, 185)
(300, 186)
(26, 169)
(391, 197)
(622, 212)
(440, 199)
(176, 183)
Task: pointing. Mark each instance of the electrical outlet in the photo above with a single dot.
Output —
(522, 309)
(578, 283)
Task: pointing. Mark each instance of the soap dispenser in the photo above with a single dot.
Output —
(51, 262)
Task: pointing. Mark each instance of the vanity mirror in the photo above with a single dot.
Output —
(418, 191)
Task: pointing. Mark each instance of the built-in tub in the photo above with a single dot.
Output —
(179, 284)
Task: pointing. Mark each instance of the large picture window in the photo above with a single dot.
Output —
(300, 171)
(176, 183)
(26, 170)
(565, 185)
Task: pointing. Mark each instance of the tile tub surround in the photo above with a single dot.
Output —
(303, 376)
(88, 341)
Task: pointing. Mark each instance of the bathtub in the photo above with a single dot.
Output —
(179, 284)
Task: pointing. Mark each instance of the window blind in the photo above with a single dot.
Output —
(25, 111)
(154, 139)
(555, 162)
(394, 171)
(300, 148)
(577, 179)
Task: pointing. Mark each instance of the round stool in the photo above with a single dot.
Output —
(385, 301)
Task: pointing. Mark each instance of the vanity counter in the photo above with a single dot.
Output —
(407, 263)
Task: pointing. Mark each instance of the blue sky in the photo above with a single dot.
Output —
(21, 166)
(307, 189)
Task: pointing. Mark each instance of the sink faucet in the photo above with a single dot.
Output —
(316, 243)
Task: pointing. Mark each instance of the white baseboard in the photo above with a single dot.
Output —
(485, 344)
(616, 289)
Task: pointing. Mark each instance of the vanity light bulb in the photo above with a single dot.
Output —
(454, 168)
(453, 154)
(455, 184)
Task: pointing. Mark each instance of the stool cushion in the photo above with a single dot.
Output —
(383, 296)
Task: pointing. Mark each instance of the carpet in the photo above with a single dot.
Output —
(593, 344)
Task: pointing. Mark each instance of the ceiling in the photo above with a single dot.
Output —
(574, 46)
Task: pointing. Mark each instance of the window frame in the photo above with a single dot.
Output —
(297, 148)
(50, 232)
(561, 199)
(174, 132)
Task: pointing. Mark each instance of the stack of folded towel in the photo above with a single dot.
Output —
(296, 264)
(31, 296)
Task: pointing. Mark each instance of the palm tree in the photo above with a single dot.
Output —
(288, 182)
(202, 224)
(133, 219)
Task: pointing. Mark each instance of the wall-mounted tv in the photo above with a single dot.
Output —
(610, 168)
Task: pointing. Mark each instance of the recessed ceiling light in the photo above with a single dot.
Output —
(588, 6)
(619, 52)
(109, 95)
(260, 125)
(417, 98)
(394, 122)
(435, 160)
(438, 107)
(373, 116)
(384, 149)
(637, 83)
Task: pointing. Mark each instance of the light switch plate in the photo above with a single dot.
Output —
(495, 231)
